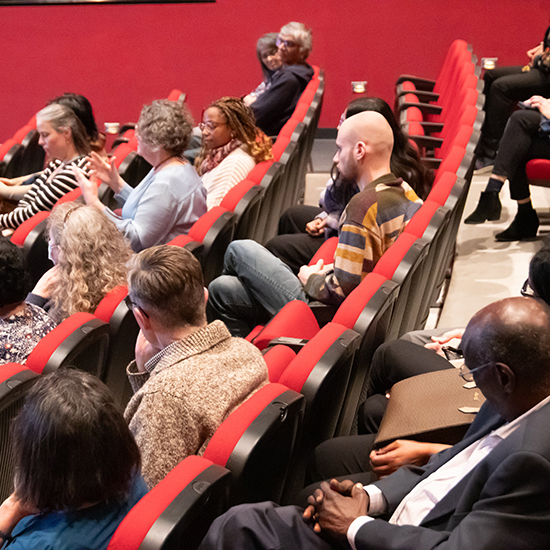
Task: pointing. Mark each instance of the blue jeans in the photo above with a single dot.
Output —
(253, 287)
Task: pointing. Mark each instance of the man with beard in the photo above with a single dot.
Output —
(255, 284)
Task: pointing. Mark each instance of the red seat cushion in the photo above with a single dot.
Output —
(259, 171)
(279, 147)
(10, 369)
(235, 194)
(6, 146)
(353, 305)
(41, 354)
(442, 187)
(326, 252)
(296, 374)
(225, 438)
(181, 241)
(422, 219)
(201, 227)
(538, 169)
(139, 520)
(108, 305)
(22, 232)
(391, 259)
(277, 359)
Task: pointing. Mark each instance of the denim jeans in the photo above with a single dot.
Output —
(253, 287)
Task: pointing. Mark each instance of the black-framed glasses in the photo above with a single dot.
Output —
(468, 374)
(287, 43)
(210, 126)
(526, 290)
(131, 305)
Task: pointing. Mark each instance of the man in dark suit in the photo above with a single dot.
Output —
(492, 490)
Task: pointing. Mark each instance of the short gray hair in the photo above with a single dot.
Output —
(167, 125)
(301, 34)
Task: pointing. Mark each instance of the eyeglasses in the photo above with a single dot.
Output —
(286, 43)
(468, 374)
(131, 305)
(526, 290)
(210, 126)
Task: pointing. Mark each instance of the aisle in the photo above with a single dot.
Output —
(486, 270)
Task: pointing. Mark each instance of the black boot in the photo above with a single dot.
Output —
(524, 227)
(488, 208)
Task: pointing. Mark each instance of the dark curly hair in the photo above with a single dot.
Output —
(14, 274)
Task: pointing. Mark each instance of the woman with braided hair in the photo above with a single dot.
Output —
(231, 146)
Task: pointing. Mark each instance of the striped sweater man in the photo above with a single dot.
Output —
(370, 224)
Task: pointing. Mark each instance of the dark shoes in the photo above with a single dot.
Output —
(488, 208)
(524, 227)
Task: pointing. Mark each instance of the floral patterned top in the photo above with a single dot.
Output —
(20, 332)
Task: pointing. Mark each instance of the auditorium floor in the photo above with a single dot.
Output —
(484, 270)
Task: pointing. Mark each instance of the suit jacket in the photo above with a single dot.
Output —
(504, 502)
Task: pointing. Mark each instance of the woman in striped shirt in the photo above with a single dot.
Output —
(64, 139)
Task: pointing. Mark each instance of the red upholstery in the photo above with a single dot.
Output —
(301, 110)
(70, 196)
(451, 162)
(10, 369)
(294, 320)
(326, 252)
(201, 227)
(19, 136)
(41, 354)
(288, 128)
(277, 359)
(22, 232)
(296, 374)
(316, 71)
(353, 305)
(391, 259)
(121, 152)
(181, 241)
(259, 171)
(279, 147)
(225, 438)
(235, 194)
(538, 169)
(422, 218)
(32, 122)
(135, 526)
(107, 306)
(175, 94)
(6, 146)
(442, 187)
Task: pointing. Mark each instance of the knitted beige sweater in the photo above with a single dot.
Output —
(196, 384)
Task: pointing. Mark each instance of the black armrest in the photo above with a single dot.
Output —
(323, 312)
(423, 96)
(431, 162)
(427, 142)
(426, 108)
(127, 126)
(296, 344)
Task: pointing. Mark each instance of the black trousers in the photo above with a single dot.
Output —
(505, 86)
(293, 245)
(520, 143)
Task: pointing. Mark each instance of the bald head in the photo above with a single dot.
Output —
(365, 143)
(515, 332)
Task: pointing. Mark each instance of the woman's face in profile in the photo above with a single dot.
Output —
(215, 129)
(270, 58)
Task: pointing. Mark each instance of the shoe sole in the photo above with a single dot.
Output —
(491, 219)
(484, 170)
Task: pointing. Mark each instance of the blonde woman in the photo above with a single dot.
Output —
(231, 146)
(90, 256)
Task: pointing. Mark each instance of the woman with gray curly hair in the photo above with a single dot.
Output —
(170, 198)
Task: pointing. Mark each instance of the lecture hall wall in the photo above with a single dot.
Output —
(122, 56)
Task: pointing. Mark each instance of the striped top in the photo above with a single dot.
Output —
(370, 224)
(53, 182)
(234, 168)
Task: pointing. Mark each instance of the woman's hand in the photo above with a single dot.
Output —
(88, 187)
(386, 460)
(106, 171)
(316, 227)
(46, 285)
(439, 341)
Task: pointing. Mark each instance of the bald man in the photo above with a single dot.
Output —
(255, 284)
(491, 490)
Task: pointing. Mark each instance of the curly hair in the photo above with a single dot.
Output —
(166, 124)
(92, 260)
(301, 34)
(242, 123)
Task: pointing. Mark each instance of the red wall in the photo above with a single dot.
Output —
(122, 56)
